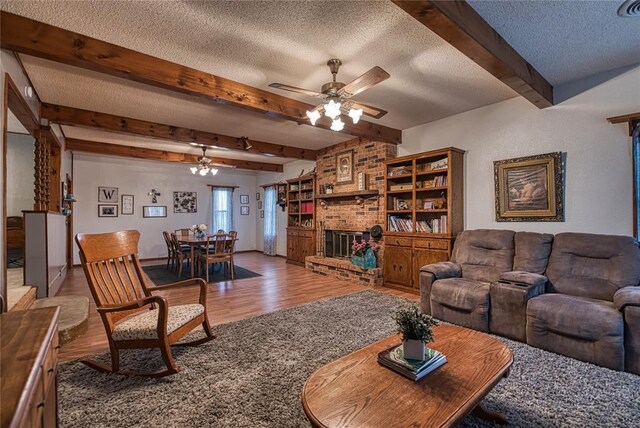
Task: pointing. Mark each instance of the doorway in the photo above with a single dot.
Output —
(20, 131)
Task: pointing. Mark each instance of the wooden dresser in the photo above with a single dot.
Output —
(28, 368)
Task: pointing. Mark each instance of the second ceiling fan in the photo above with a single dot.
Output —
(337, 96)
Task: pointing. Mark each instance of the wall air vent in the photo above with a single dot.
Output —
(629, 9)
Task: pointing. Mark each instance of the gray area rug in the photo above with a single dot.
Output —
(252, 376)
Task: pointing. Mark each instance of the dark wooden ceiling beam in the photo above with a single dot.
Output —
(76, 145)
(463, 28)
(41, 40)
(71, 116)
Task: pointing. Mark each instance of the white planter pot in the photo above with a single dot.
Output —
(329, 191)
(413, 349)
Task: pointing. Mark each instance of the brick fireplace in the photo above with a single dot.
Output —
(350, 214)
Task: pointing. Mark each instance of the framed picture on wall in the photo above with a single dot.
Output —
(127, 205)
(244, 199)
(344, 167)
(530, 188)
(185, 202)
(149, 211)
(244, 210)
(108, 194)
(109, 210)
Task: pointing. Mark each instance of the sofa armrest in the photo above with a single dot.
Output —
(526, 278)
(626, 296)
(443, 270)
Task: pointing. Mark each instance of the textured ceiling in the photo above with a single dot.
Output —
(258, 43)
(566, 40)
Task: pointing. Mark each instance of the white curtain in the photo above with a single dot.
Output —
(222, 209)
(270, 221)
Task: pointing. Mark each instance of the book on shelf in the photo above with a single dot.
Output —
(399, 224)
(440, 164)
(393, 359)
(423, 226)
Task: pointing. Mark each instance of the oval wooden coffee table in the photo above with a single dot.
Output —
(356, 391)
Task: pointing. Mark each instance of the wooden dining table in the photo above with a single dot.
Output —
(192, 241)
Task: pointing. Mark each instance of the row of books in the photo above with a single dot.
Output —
(436, 225)
(399, 224)
(393, 358)
(306, 207)
(439, 181)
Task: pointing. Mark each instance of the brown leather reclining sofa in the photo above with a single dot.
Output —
(575, 294)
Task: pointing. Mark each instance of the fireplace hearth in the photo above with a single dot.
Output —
(338, 242)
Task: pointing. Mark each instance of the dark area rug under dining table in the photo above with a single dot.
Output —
(160, 275)
(252, 376)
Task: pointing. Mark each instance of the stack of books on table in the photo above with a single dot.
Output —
(393, 358)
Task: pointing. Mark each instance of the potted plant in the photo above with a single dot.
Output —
(363, 254)
(416, 329)
(328, 188)
(198, 230)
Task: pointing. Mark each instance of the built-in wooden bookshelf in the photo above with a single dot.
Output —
(423, 212)
(301, 218)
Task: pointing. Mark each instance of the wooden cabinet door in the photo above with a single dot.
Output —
(422, 257)
(305, 246)
(397, 265)
(292, 245)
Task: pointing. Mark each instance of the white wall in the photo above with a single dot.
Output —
(138, 177)
(598, 190)
(20, 170)
(290, 170)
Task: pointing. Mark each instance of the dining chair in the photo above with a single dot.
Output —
(215, 251)
(132, 315)
(231, 248)
(171, 252)
(182, 253)
(184, 232)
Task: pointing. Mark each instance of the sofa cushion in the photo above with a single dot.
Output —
(145, 324)
(593, 266)
(484, 254)
(586, 329)
(460, 293)
(532, 251)
(461, 301)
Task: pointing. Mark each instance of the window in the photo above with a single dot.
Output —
(222, 209)
(270, 223)
(636, 179)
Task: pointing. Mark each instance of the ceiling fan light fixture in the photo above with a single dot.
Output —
(214, 171)
(337, 125)
(193, 169)
(313, 116)
(332, 109)
(355, 114)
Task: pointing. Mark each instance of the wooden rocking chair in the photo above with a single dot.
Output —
(133, 317)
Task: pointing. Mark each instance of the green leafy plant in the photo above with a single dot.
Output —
(414, 325)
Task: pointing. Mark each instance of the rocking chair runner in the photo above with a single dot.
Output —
(133, 317)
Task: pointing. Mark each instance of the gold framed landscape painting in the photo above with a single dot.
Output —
(530, 188)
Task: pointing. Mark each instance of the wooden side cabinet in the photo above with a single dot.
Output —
(301, 242)
(28, 384)
(404, 256)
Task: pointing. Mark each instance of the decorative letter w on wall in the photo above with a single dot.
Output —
(108, 194)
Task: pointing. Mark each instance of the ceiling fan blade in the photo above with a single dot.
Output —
(295, 89)
(372, 111)
(364, 82)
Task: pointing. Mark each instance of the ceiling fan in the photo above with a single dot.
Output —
(336, 96)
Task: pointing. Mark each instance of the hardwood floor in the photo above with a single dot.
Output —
(281, 286)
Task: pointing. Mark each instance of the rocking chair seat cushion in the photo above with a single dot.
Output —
(144, 325)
